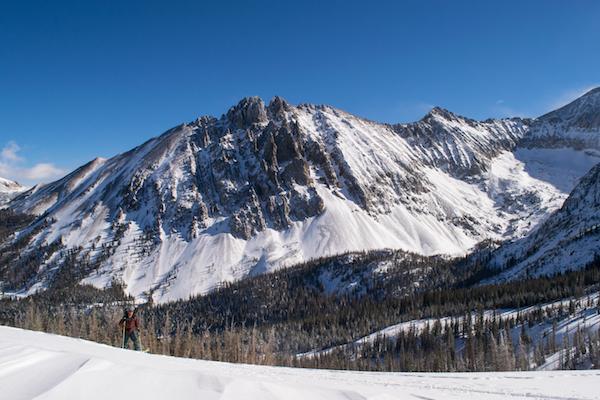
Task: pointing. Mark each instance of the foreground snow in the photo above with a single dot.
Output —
(44, 366)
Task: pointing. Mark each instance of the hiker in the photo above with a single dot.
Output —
(130, 326)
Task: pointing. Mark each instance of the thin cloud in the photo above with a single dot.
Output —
(9, 152)
(42, 171)
(13, 166)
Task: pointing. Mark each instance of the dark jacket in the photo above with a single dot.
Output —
(131, 324)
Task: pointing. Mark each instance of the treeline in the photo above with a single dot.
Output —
(17, 267)
(476, 342)
(271, 318)
(287, 301)
(11, 222)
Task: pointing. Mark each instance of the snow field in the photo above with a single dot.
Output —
(35, 365)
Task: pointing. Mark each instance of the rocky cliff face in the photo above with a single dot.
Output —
(266, 186)
(460, 146)
(249, 167)
(257, 167)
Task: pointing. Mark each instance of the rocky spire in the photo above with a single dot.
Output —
(250, 110)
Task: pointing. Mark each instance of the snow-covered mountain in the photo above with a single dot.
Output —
(569, 239)
(267, 186)
(576, 125)
(8, 190)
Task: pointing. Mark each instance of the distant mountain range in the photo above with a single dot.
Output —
(267, 186)
(8, 190)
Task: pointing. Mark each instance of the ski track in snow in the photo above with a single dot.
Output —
(35, 365)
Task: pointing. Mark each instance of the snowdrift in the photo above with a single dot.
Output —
(35, 365)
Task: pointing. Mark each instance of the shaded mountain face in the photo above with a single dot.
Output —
(8, 190)
(268, 186)
(575, 125)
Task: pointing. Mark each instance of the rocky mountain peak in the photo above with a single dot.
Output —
(249, 111)
(594, 91)
(277, 106)
(439, 112)
(586, 194)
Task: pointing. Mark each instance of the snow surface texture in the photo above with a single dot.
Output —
(37, 365)
(265, 187)
(8, 190)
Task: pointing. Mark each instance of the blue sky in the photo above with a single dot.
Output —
(83, 79)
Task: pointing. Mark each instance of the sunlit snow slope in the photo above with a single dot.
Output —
(47, 367)
(267, 186)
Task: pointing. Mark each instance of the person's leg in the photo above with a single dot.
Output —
(135, 337)
(126, 343)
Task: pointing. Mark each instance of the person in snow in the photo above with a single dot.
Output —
(130, 326)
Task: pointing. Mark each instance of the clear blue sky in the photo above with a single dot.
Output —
(82, 79)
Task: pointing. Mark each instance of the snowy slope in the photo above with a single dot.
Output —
(267, 186)
(44, 366)
(569, 239)
(8, 190)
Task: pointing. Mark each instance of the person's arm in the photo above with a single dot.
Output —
(136, 322)
(121, 322)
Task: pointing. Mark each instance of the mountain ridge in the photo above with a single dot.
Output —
(265, 186)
